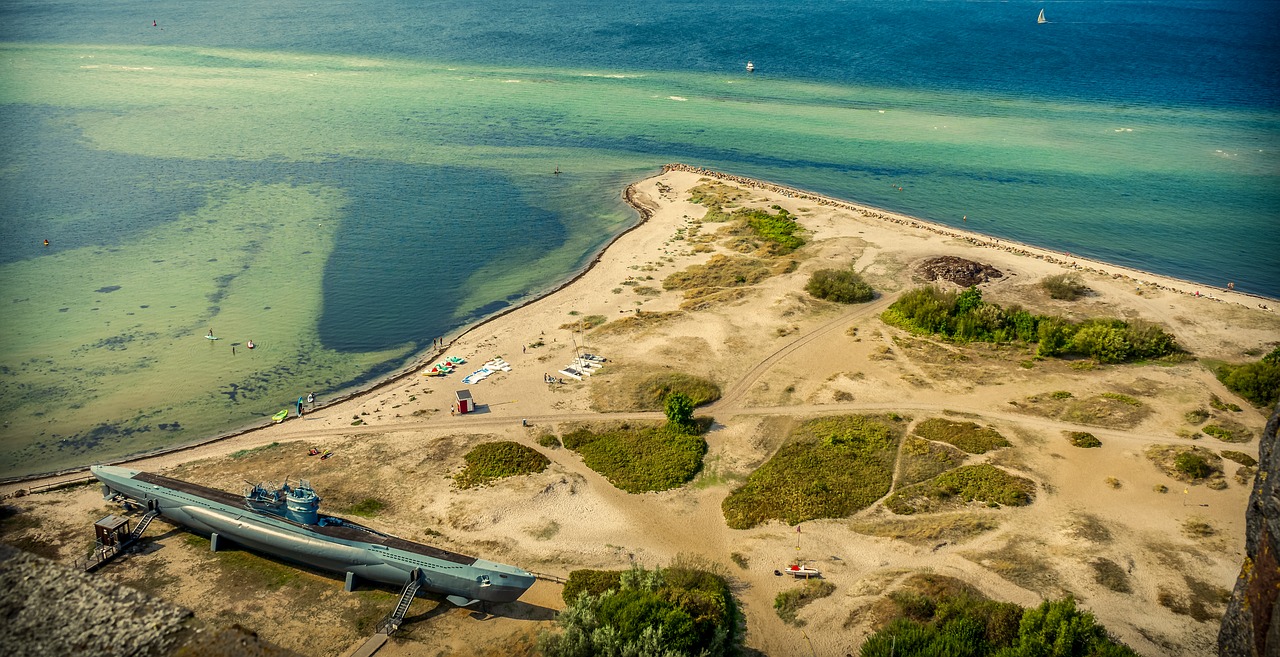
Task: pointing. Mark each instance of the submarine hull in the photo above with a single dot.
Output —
(334, 545)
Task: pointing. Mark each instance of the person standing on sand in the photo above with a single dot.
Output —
(311, 399)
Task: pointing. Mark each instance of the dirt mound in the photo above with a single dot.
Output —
(958, 270)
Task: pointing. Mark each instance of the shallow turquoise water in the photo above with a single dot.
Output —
(418, 147)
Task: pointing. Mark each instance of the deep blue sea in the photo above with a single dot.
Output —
(348, 180)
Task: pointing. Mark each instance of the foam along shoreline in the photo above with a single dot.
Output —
(1138, 276)
(227, 441)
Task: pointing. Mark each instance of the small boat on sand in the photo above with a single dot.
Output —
(279, 417)
(799, 570)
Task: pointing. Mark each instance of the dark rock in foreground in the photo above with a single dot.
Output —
(1251, 626)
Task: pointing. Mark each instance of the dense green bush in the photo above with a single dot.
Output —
(780, 229)
(967, 626)
(1066, 286)
(1193, 465)
(591, 582)
(965, 317)
(489, 461)
(1257, 382)
(679, 410)
(828, 468)
(839, 285)
(640, 459)
(674, 612)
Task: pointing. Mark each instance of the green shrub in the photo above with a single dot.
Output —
(641, 459)
(549, 441)
(1228, 431)
(966, 435)
(827, 468)
(1193, 465)
(487, 462)
(966, 317)
(1219, 405)
(1066, 286)
(1196, 417)
(970, 483)
(839, 285)
(779, 229)
(1083, 439)
(591, 582)
(679, 410)
(672, 613)
(967, 625)
(1257, 382)
(788, 603)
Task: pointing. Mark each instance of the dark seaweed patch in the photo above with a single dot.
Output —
(63, 310)
(109, 288)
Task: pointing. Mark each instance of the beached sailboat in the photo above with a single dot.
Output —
(750, 67)
(1041, 19)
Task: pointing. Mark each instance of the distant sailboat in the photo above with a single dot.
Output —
(1041, 18)
(750, 67)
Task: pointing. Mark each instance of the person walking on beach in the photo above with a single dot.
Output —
(311, 399)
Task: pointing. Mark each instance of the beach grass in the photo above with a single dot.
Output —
(789, 602)
(629, 388)
(488, 462)
(827, 468)
(982, 483)
(1112, 411)
(929, 530)
(968, 436)
(922, 459)
(1082, 439)
(639, 459)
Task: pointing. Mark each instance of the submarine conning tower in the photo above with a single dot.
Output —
(302, 504)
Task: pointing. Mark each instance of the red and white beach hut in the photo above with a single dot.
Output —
(465, 403)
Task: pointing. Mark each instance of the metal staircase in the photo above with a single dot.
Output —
(143, 523)
(392, 622)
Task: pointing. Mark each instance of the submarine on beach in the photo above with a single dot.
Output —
(285, 522)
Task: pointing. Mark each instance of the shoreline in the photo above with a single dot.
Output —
(1161, 281)
(1138, 277)
(410, 368)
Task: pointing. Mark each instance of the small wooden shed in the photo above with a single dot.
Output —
(111, 530)
(465, 403)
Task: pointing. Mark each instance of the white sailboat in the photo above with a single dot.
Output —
(1041, 17)
(750, 67)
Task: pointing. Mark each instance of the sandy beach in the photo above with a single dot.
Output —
(779, 357)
